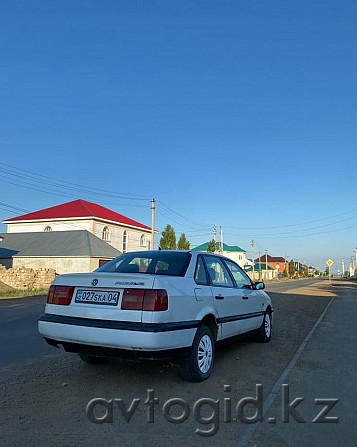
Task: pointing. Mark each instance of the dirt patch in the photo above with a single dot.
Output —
(319, 289)
(4, 287)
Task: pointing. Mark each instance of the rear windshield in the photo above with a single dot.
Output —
(149, 262)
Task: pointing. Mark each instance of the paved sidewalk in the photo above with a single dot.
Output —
(326, 369)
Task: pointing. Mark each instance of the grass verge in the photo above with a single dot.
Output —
(15, 293)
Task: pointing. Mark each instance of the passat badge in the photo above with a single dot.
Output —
(94, 282)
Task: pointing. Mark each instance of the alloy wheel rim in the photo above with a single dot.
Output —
(267, 325)
(205, 351)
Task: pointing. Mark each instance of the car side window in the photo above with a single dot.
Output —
(200, 273)
(218, 272)
(239, 276)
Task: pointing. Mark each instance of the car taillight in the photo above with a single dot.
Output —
(132, 299)
(144, 299)
(155, 300)
(61, 295)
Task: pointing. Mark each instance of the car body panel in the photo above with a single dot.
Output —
(102, 325)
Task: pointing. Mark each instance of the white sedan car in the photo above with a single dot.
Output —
(156, 305)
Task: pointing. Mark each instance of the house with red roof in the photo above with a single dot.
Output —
(277, 263)
(121, 232)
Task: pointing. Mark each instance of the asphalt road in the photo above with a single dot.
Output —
(44, 392)
(20, 341)
(283, 286)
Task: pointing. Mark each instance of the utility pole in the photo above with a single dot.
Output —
(252, 246)
(214, 233)
(266, 264)
(260, 267)
(153, 224)
(221, 240)
(343, 268)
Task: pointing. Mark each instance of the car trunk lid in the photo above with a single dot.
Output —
(94, 293)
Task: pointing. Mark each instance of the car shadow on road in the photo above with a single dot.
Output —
(294, 316)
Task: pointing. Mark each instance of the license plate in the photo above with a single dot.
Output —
(97, 297)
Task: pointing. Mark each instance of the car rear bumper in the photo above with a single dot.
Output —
(129, 336)
(126, 354)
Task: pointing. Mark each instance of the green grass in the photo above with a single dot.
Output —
(15, 293)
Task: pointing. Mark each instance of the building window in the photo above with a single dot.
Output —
(106, 234)
(125, 238)
(47, 229)
(143, 240)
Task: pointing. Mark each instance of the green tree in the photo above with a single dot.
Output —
(168, 238)
(285, 274)
(211, 246)
(292, 268)
(183, 243)
(303, 271)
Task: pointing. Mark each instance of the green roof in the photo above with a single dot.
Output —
(228, 248)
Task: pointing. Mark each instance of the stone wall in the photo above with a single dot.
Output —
(26, 278)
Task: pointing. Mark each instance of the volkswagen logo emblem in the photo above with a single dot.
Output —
(94, 282)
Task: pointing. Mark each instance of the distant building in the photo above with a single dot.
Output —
(233, 252)
(277, 263)
(262, 272)
(121, 232)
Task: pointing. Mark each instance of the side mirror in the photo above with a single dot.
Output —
(259, 286)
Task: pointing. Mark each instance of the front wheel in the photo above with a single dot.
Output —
(264, 332)
(198, 365)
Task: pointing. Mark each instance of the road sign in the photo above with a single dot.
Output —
(329, 262)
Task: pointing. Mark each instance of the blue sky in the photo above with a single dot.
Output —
(236, 113)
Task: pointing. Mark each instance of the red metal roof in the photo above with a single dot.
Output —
(78, 208)
(271, 259)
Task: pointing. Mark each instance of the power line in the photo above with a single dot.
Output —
(22, 174)
(41, 183)
(298, 230)
(295, 224)
(297, 235)
(14, 208)
(183, 218)
(70, 196)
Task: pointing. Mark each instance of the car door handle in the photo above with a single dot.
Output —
(219, 297)
(244, 297)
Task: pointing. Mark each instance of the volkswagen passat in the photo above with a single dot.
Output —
(156, 305)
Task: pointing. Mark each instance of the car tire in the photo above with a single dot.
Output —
(198, 365)
(92, 359)
(263, 334)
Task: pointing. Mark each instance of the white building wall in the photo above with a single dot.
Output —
(238, 257)
(116, 233)
(93, 226)
(66, 225)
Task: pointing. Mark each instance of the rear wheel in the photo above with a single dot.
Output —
(264, 332)
(92, 359)
(198, 365)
